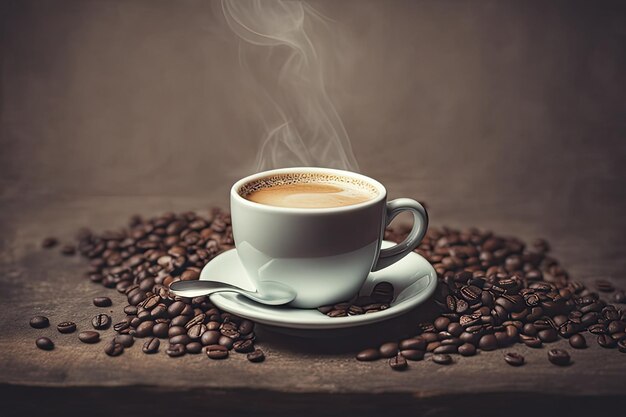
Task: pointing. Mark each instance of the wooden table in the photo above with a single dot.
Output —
(308, 375)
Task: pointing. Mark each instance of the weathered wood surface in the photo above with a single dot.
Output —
(297, 371)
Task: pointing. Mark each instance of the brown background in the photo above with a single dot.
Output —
(502, 115)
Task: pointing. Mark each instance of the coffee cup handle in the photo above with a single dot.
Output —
(393, 254)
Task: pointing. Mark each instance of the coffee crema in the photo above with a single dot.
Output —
(308, 191)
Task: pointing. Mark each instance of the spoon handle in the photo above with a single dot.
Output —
(192, 289)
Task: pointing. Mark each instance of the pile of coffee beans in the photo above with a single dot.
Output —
(141, 261)
(378, 300)
(494, 292)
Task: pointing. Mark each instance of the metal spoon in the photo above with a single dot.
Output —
(268, 292)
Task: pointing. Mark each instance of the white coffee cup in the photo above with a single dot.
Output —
(324, 254)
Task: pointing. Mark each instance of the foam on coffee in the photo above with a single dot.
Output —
(306, 190)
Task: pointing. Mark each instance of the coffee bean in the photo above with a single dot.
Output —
(39, 322)
(181, 339)
(383, 292)
(193, 347)
(175, 350)
(210, 337)
(66, 327)
(196, 331)
(416, 343)
(514, 359)
(125, 340)
(151, 345)
(446, 349)
(176, 308)
(102, 302)
(413, 354)
(101, 321)
(388, 350)
(243, 346)
(89, 336)
(49, 242)
(398, 363)
(442, 359)
(113, 348)
(216, 352)
(121, 326)
(325, 309)
(246, 327)
(256, 356)
(488, 342)
(130, 310)
(559, 357)
(145, 329)
(337, 313)
(368, 355)
(455, 329)
(606, 341)
(44, 343)
(226, 341)
(621, 345)
(616, 327)
(548, 335)
(467, 349)
(578, 341)
(160, 330)
(430, 347)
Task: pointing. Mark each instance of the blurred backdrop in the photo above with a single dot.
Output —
(502, 114)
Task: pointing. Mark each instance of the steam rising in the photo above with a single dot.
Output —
(303, 128)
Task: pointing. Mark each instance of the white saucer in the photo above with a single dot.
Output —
(413, 279)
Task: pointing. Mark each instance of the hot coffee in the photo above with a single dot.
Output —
(308, 191)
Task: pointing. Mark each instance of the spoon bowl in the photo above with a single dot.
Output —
(268, 292)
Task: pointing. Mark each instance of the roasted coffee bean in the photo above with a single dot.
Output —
(446, 349)
(44, 343)
(514, 359)
(621, 345)
(102, 302)
(113, 348)
(210, 337)
(559, 357)
(228, 332)
(442, 359)
(578, 341)
(151, 345)
(455, 329)
(430, 347)
(176, 308)
(176, 330)
(196, 331)
(125, 340)
(193, 347)
(388, 350)
(413, 354)
(101, 321)
(39, 322)
(226, 341)
(416, 343)
(441, 323)
(89, 336)
(337, 313)
(175, 350)
(145, 329)
(530, 341)
(606, 341)
(615, 327)
(49, 242)
(467, 349)
(243, 346)
(383, 292)
(66, 327)
(256, 356)
(597, 329)
(368, 355)
(548, 335)
(160, 330)
(130, 310)
(325, 309)
(398, 363)
(121, 326)
(488, 342)
(216, 352)
(246, 327)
